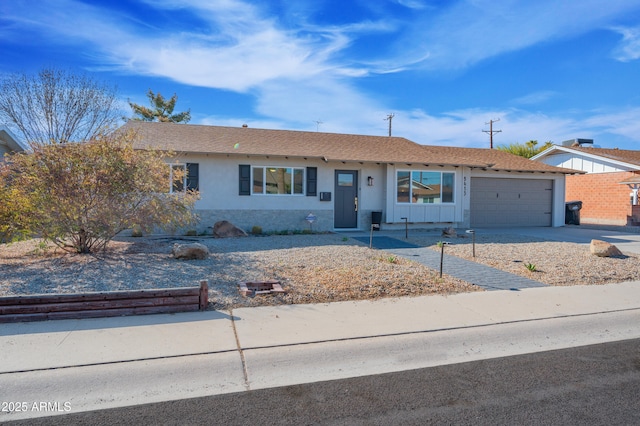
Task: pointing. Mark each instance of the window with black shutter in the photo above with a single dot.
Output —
(312, 181)
(193, 176)
(244, 179)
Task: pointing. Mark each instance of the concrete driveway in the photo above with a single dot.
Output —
(626, 241)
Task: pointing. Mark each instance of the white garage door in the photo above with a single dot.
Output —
(511, 202)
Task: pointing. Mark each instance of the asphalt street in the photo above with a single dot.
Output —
(494, 357)
(588, 385)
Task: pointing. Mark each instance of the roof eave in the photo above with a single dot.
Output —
(8, 139)
(586, 154)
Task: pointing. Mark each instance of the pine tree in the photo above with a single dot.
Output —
(161, 110)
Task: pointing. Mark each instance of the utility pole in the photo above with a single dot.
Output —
(491, 131)
(389, 118)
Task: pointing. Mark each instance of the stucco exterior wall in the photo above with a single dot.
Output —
(220, 200)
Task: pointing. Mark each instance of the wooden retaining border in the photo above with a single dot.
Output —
(103, 304)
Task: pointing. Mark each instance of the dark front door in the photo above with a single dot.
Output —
(346, 201)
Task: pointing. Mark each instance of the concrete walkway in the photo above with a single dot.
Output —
(472, 272)
(485, 276)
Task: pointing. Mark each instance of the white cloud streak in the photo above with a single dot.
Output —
(474, 30)
(300, 72)
(629, 48)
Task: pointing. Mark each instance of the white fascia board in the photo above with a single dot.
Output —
(9, 139)
(568, 150)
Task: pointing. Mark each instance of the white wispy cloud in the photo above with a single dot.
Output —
(621, 122)
(471, 31)
(241, 49)
(535, 98)
(300, 71)
(465, 127)
(629, 47)
(412, 4)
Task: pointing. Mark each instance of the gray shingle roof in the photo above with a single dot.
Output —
(188, 138)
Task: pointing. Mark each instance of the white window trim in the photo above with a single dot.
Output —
(264, 181)
(410, 202)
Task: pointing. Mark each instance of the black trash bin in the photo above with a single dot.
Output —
(572, 212)
(376, 220)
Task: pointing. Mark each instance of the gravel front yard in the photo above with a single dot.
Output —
(556, 263)
(312, 268)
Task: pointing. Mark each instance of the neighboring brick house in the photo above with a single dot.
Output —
(609, 187)
(275, 178)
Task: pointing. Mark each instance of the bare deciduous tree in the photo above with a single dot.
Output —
(56, 106)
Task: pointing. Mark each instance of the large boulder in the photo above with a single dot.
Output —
(604, 249)
(226, 229)
(190, 251)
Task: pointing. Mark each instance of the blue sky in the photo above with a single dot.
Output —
(548, 69)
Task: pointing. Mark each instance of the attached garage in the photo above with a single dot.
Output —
(511, 202)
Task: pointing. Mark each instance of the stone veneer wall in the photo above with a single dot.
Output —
(268, 220)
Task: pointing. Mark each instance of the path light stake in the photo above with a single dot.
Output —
(371, 237)
(441, 244)
(406, 228)
(473, 240)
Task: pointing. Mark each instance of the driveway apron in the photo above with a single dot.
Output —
(472, 272)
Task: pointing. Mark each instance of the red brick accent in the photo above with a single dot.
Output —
(604, 199)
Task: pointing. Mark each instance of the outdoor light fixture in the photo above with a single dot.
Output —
(370, 181)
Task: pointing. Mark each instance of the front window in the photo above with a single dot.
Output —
(278, 180)
(423, 187)
(184, 176)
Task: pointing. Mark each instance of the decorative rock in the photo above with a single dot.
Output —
(226, 229)
(190, 251)
(604, 249)
(136, 231)
(449, 232)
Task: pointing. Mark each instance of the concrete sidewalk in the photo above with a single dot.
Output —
(69, 343)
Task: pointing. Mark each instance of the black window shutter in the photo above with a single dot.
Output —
(178, 185)
(312, 181)
(192, 177)
(245, 179)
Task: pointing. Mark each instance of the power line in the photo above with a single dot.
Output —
(491, 131)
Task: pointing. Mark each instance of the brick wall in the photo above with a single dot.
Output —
(604, 200)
